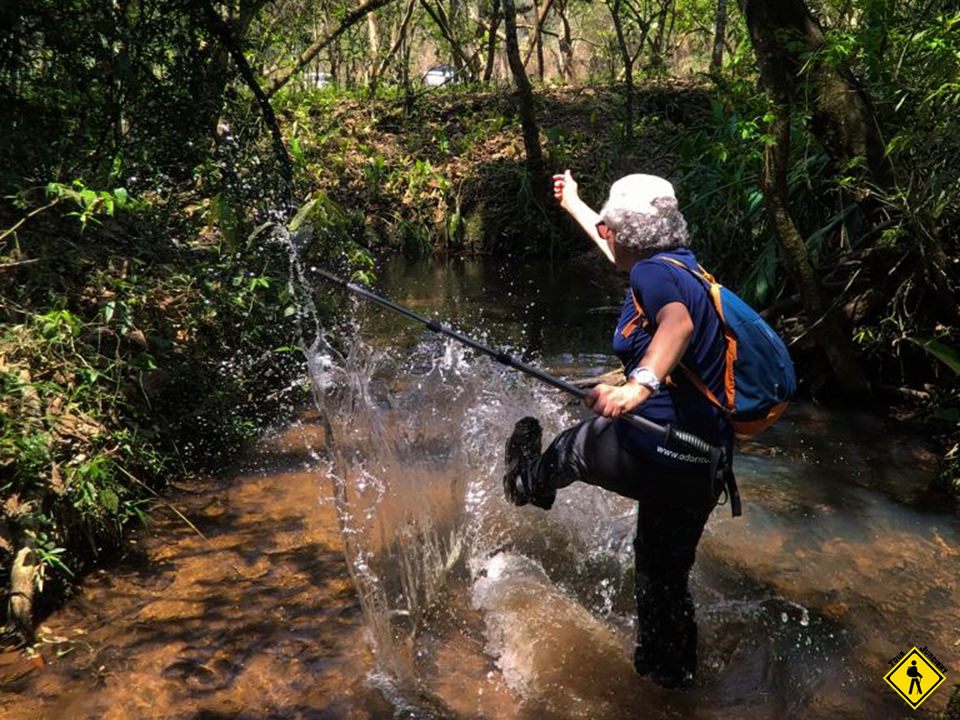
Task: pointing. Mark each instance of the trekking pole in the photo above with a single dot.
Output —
(666, 433)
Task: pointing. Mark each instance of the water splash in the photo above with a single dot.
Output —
(495, 611)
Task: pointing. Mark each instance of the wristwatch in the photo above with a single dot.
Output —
(648, 378)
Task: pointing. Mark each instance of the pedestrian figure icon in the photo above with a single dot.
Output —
(910, 670)
(915, 676)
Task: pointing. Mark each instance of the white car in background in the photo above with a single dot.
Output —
(439, 75)
(319, 79)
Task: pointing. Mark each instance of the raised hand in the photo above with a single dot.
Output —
(565, 189)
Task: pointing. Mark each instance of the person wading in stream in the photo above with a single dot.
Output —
(667, 319)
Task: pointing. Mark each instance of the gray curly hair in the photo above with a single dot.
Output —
(662, 229)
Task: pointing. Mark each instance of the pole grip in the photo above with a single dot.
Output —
(691, 442)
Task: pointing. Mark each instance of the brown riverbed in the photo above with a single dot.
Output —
(258, 620)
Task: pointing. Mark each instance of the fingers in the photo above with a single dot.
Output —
(590, 398)
(601, 400)
(612, 402)
(560, 183)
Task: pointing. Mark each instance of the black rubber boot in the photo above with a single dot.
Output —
(520, 485)
(642, 662)
(670, 678)
(665, 548)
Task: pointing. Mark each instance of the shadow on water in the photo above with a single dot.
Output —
(456, 605)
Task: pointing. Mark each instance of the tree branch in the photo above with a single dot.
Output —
(445, 30)
(226, 36)
(351, 19)
(532, 42)
(28, 216)
(401, 34)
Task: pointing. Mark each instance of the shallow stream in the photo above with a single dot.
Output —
(461, 606)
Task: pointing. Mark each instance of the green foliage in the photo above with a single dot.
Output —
(908, 55)
(920, 97)
(946, 354)
(105, 90)
(92, 203)
(134, 364)
(374, 171)
(416, 238)
(563, 145)
(949, 476)
(324, 231)
(61, 400)
(721, 161)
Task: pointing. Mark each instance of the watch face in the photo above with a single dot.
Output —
(647, 378)
(644, 376)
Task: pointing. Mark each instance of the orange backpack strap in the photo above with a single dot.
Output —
(638, 320)
(710, 278)
(702, 387)
(729, 384)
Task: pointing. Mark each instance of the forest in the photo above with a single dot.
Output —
(155, 153)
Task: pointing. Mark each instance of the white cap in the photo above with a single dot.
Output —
(637, 193)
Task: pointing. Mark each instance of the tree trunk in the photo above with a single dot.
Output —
(492, 41)
(535, 41)
(336, 65)
(528, 113)
(401, 36)
(373, 33)
(566, 44)
(23, 575)
(408, 95)
(349, 20)
(827, 324)
(716, 58)
(207, 84)
(461, 59)
(786, 38)
(628, 61)
(831, 331)
(660, 39)
(539, 40)
(221, 29)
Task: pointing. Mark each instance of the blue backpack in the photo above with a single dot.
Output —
(759, 379)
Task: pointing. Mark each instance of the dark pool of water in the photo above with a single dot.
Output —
(559, 314)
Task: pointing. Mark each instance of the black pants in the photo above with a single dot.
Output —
(675, 503)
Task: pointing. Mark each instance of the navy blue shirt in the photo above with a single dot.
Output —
(657, 283)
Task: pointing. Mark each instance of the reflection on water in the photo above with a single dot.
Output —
(475, 609)
(560, 314)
